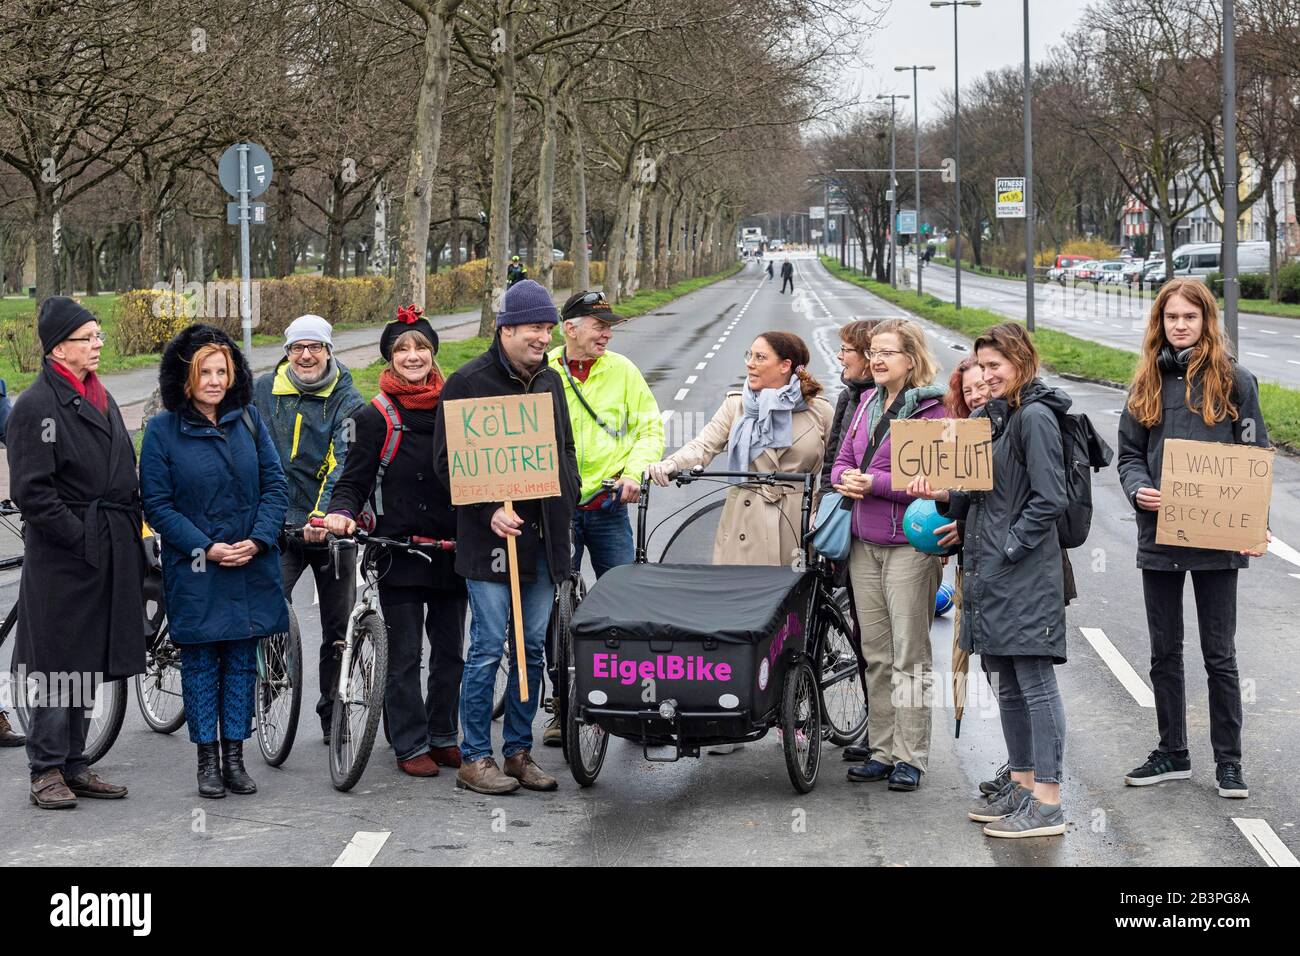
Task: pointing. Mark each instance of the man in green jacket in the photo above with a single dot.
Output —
(307, 404)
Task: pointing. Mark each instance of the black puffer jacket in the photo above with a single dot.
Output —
(1013, 589)
(547, 520)
(845, 405)
(414, 502)
(1141, 459)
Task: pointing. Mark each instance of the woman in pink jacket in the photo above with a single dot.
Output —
(893, 583)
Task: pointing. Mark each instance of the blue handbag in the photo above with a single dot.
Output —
(834, 534)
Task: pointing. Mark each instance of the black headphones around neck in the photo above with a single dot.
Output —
(1171, 361)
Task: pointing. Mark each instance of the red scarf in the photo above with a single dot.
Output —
(423, 397)
(92, 389)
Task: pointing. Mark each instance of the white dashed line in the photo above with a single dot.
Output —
(709, 355)
(1266, 332)
(1256, 355)
(1293, 362)
(681, 393)
(690, 379)
(1284, 551)
(1119, 666)
(701, 366)
(1266, 843)
(363, 848)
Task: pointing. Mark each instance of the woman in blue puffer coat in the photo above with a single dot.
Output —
(213, 489)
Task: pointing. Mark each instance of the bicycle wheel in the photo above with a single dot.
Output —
(567, 598)
(502, 682)
(106, 719)
(584, 744)
(357, 713)
(801, 732)
(844, 699)
(158, 689)
(278, 695)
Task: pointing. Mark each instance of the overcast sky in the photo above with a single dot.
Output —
(991, 36)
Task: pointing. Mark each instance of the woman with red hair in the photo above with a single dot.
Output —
(1187, 386)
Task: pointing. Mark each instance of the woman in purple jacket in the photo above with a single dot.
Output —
(893, 583)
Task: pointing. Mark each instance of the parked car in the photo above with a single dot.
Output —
(1109, 272)
(1132, 269)
(1202, 258)
(1083, 272)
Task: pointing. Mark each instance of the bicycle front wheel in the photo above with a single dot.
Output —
(158, 689)
(359, 708)
(278, 695)
(106, 719)
(844, 699)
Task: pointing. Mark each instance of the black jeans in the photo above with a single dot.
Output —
(1216, 617)
(336, 599)
(418, 721)
(56, 739)
(787, 280)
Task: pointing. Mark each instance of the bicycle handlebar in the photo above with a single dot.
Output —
(760, 477)
(415, 542)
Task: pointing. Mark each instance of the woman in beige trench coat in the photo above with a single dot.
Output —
(783, 424)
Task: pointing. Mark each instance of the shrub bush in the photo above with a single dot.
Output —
(19, 338)
(1288, 282)
(1254, 285)
(146, 319)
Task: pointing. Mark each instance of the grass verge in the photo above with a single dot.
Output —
(1069, 354)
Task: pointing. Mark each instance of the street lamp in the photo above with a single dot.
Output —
(916, 146)
(956, 125)
(893, 186)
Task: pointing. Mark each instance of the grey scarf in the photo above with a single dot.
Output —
(767, 422)
(320, 385)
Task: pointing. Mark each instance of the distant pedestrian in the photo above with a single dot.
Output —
(769, 270)
(787, 276)
(516, 271)
(1187, 386)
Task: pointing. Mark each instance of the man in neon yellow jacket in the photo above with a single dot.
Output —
(617, 431)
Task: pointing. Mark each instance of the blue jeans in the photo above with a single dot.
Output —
(607, 535)
(490, 605)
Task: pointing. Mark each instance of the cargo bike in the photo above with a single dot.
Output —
(679, 657)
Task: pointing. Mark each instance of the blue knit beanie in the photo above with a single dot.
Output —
(526, 303)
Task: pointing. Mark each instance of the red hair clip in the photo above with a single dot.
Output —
(408, 314)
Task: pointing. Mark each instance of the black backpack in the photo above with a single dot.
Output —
(1082, 449)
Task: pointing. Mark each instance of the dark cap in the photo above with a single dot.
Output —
(590, 303)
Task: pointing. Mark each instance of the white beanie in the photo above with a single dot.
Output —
(309, 328)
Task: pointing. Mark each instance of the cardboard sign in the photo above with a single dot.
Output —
(954, 453)
(501, 448)
(1214, 496)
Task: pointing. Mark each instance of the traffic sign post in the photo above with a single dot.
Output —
(245, 171)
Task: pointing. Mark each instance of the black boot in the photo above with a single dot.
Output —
(232, 768)
(210, 784)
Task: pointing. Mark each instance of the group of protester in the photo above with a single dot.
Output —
(243, 479)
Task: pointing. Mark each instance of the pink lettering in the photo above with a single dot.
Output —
(647, 670)
(723, 671)
(674, 667)
(627, 672)
(598, 662)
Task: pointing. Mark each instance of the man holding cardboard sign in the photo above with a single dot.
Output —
(504, 448)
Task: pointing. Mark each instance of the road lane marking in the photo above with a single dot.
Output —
(709, 355)
(1266, 843)
(1256, 355)
(1293, 361)
(690, 379)
(701, 366)
(681, 393)
(1119, 666)
(1266, 332)
(1284, 551)
(363, 848)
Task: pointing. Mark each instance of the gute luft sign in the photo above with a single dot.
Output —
(954, 453)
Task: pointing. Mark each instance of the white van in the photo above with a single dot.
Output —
(1202, 258)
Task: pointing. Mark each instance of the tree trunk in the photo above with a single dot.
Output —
(546, 179)
(453, 216)
(1271, 219)
(47, 281)
(284, 227)
(618, 240)
(199, 265)
(422, 159)
(664, 238)
(503, 127)
(632, 240)
(578, 208)
(92, 266)
(652, 237)
(332, 265)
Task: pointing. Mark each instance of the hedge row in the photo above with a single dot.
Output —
(1254, 285)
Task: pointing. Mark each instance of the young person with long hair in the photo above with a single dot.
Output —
(1187, 386)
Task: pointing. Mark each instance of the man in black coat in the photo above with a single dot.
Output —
(80, 606)
(515, 364)
(787, 276)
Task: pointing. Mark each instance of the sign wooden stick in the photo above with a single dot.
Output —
(512, 552)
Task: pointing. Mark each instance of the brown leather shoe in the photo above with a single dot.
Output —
(523, 768)
(91, 784)
(49, 792)
(484, 776)
(421, 766)
(446, 756)
(8, 738)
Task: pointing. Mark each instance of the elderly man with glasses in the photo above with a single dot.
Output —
(307, 404)
(80, 612)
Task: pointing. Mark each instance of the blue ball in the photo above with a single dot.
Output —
(943, 600)
(919, 521)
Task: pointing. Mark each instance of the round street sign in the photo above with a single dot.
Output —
(259, 170)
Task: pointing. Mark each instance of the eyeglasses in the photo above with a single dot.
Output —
(315, 348)
(752, 356)
(92, 337)
(883, 353)
(846, 349)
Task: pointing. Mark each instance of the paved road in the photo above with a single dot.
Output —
(1269, 345)
(740, 809)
